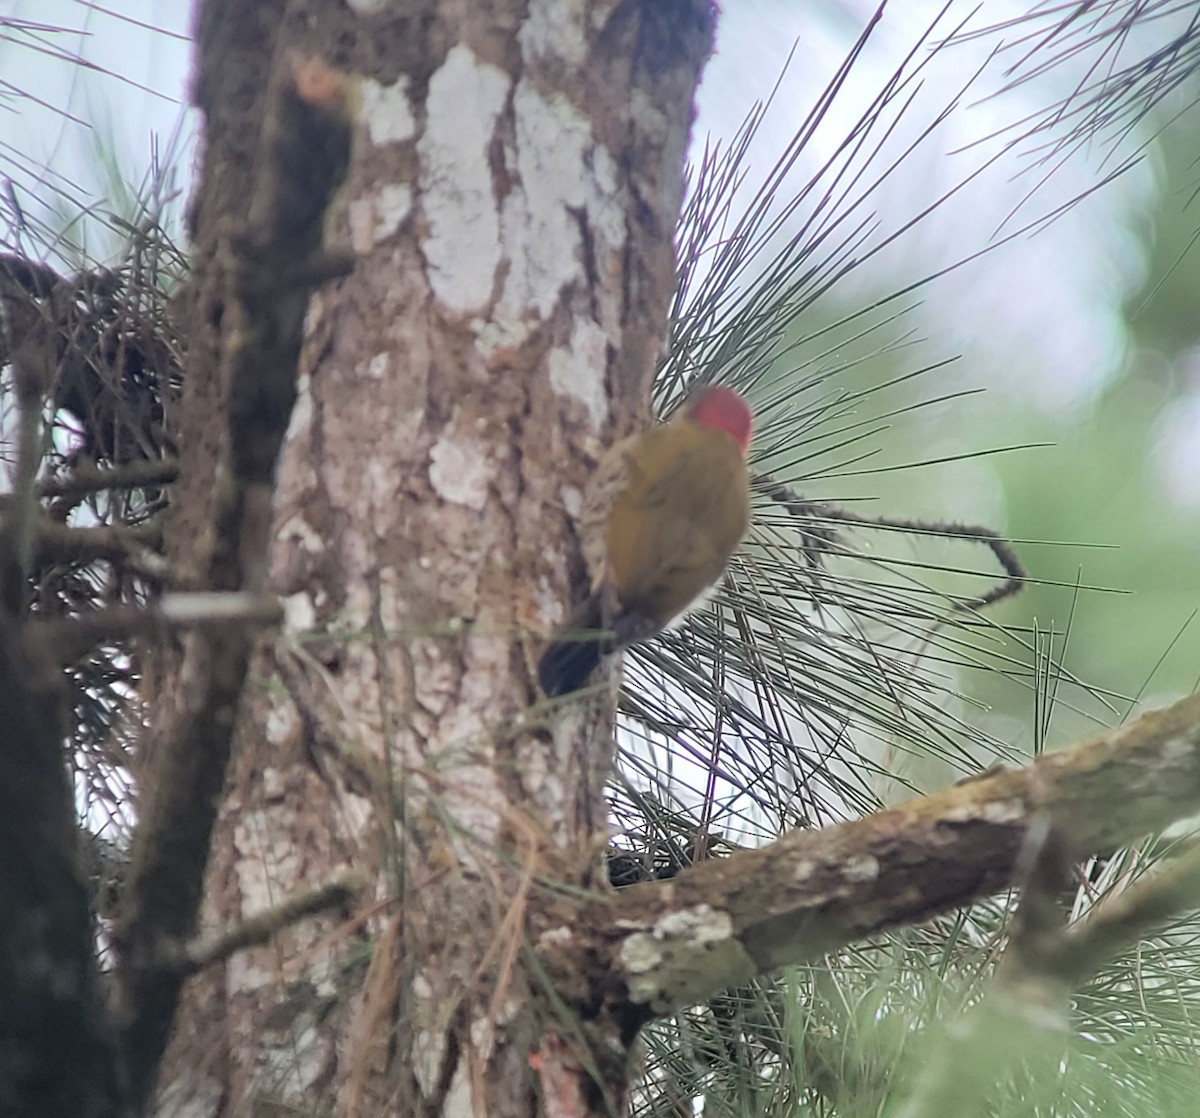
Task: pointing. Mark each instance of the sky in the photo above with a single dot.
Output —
(1058, 293)
(128, 99)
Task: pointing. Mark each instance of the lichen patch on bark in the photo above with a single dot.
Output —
(387, 111)
(377, 216)
(462, 247)
(509, 283)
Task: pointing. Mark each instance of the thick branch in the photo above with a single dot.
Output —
(719, 923)
(273, 268)
(54, 1059)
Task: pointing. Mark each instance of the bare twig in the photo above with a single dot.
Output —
(194, 956)
(68, 639)
(815, 520)
(95, 479)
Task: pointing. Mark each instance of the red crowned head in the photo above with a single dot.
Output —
(724, 410)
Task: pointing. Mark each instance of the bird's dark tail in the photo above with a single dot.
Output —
(575, 651)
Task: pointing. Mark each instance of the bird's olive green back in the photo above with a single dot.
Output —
(677, 520)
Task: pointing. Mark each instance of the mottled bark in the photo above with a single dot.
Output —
(517, 176)
(271, 264)
(57, 1058)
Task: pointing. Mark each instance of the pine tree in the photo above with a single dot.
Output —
(283, 590)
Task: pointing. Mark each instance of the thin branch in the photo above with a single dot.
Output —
(94, 479)
(815, 517)
(132, 547)
(259, 930)
(67, 640)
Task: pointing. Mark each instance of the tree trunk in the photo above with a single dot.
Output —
(515, 183)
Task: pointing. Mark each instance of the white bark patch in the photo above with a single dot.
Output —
(379, 365)
(1177, 751)
(548, 604)
(556, 937)
(604, 200)
(460, 468)
(297, 530)
(578, 371)
(483, 1036)
(357, 695)
(462, 249)
(356, 613)
(301, 1060)
(274, 783)
(376, 217)
(998, 811)
(673, 963)
(266, 865)
(458, 1103)
(369, 7)
(863, 868)
(471, 790)
(379, 479)
(302, 411)
(283, 724)
(392, 207)
(604, 194)
(299, 613)
(433, 675)
(568, 728)
(660, 133)
(387, 110)
(246, 971)
(428, 1051)
(1004, 811)
(641, 953)
(190, 1095)
(572, 499)
(699, 926)
(554, 28)
(393, 601)
(357, 818)
(541, 234)
(429, 1047)
(537, 779)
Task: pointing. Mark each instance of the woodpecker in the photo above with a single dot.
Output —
(661, 517)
